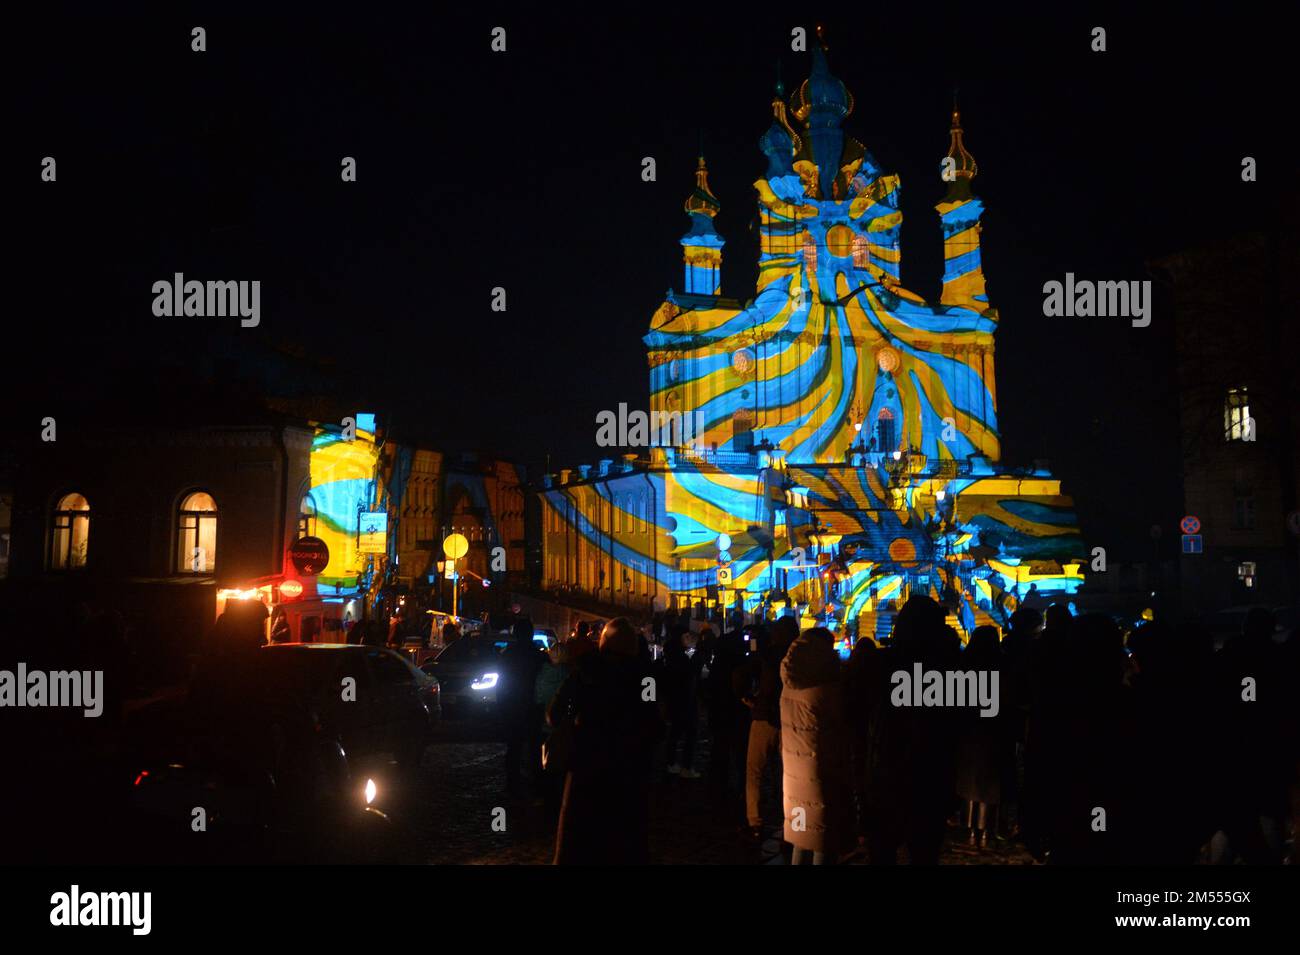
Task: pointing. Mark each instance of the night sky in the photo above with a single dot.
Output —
(522, 170)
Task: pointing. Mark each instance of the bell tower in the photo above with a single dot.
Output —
(702, 246)
(959, 212)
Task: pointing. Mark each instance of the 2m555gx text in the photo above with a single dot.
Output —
(1190, 895)
(1215, 897)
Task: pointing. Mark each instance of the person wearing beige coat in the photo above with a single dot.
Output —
(814, 745)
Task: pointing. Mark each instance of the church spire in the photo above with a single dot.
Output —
(702, 245)
(702, 201)
(959, 212)
(780, 142)
(963, 167)
(821, 103)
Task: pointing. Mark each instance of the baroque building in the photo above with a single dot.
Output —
(850, 452)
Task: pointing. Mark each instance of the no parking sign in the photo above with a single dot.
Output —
(1191, 524)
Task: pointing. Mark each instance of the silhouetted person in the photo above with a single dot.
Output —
(681, 677)
(862, 680)
(310, 630)
(604, 816)
(910, 748)
(1045, 674)
(550, 678)
(1257, 697)
(374, 634)
(231, 704)
(727, 721)
(815, 784)
(984, 748)
(1017, 647)
(521, 661)
(1172, 722)
(1087, 818)
(757, 683)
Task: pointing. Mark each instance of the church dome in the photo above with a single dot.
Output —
(822, 95)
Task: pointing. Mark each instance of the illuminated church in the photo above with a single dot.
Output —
(850, 448)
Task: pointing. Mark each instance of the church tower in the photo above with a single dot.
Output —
(702, 246)
(960, 211)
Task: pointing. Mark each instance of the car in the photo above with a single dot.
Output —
(343, 725)
(1226, 624)
(545, 637)
(390, 714)
(468, 672)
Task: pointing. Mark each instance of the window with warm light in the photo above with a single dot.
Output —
(1237, 422)
(196, 534)
(307, 517)
(70, 532)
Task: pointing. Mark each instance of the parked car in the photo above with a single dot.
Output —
(345, 726)
(468, 673)
(394, 708)
(1226, 624)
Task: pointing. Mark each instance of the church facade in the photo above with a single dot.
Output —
(846, 452)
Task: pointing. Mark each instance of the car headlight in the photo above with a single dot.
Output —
(371, 791)
(486, 682)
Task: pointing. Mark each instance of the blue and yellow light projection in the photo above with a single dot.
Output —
(343, 484)
(850, 441)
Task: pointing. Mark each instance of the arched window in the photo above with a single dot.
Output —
(307, 517)
(861, 252)
(809, 251)
(885, 430)
(196, 534)
(70, 532)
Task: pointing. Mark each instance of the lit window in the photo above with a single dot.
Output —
(810, 251)
(307, 517)
(1238, 425)
(70, 533)
(860, 252)
(196, 534)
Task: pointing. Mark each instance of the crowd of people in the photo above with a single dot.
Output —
(1151, 747)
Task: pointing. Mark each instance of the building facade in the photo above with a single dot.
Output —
(842, 446)
(1239, 410)
(154, 523)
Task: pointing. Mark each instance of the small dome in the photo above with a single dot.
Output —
(964, 162)
(822, 93)
(702, 201)
(776, 142)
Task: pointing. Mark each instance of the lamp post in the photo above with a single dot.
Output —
(455, 546)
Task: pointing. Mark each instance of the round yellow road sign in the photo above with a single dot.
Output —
(455, 546)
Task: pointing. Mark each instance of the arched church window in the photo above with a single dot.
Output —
(861, 256)
(886, 433)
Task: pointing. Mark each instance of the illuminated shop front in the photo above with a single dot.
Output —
(337, 507)
(850, 447)
(306, 614)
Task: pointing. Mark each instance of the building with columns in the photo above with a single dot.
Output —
(848, 453)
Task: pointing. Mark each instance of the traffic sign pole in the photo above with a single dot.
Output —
(455, 546)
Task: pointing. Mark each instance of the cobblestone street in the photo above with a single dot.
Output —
(447, 816)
